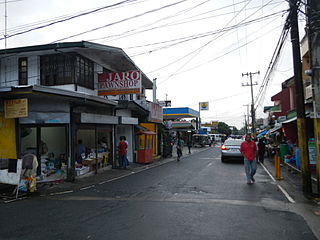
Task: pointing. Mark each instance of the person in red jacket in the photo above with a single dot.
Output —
(122, 147)
(248, 148)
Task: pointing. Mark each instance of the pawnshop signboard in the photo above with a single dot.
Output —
(119, 83)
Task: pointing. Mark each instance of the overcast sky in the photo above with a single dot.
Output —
(197, 49)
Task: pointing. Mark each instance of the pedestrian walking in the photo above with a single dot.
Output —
(122, 148)
(189, 144)
(248, 148)
(261, 149)
(179, 148)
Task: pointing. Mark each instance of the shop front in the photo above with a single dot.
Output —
(49, 143)
(93, 142)
(54, 122)
(93, 149)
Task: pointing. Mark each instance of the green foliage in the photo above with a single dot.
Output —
(224, 128)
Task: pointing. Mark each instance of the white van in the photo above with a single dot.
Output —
(217, 137)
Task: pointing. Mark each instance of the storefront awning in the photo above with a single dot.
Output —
(177, 113)
(290, 120)
(262, 133)
(276, 108)
(146, 133)
(275, 129)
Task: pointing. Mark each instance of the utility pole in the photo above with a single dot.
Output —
(248, 116)
(154, 89)
(313, 31)
(245, 124)
(252, 100)
(301, 118)
(5, 24)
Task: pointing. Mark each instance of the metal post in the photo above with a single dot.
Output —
(199, 116)
(301, 121)
(154, 89)
(114, 147)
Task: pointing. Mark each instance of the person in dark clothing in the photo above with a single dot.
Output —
(179, 148)
(189, 145)
(261, 149)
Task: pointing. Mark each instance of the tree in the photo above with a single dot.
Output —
(224, 128)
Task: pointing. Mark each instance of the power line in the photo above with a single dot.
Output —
(68, 19)
(121, 21)
(62, 17)
(11, 1)
(224, 54)
(134, 31)
(272, 64)
(198, 36)
(220, 56)
(198, 50)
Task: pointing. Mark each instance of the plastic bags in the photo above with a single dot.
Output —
(28, 184)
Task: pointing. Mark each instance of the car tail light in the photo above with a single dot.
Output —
(223, 147)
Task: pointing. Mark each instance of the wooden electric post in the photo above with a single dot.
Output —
(301, 120)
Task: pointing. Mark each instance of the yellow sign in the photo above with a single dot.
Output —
(204, 105)
(16, 108)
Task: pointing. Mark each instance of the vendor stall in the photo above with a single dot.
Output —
(145, 146)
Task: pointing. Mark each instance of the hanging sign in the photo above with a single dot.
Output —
(119, 83)
(16, 108)
(204, 105)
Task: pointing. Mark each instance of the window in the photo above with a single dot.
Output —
(84, 72)
(68, 68)
(23, 71)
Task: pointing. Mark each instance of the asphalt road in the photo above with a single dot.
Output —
(196, 198)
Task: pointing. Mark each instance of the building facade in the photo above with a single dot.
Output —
(50, 105)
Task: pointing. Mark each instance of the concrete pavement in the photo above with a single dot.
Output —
(291, 185)
(89, 180)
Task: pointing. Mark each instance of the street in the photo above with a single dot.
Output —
(196, 198)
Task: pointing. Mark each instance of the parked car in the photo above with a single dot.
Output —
(231, 150)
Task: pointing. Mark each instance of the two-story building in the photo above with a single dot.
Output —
(50, 103)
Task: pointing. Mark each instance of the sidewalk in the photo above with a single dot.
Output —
(307, 207)
(89, 180)
(291, 179)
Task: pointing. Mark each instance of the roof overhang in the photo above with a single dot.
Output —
(41, 91)
(177, 113)
(290, 120)
(112, 58)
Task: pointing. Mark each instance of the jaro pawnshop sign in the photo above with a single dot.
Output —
(16, 108)
(119, 83)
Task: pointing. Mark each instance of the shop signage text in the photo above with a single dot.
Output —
(119, 83)
(16, 108)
